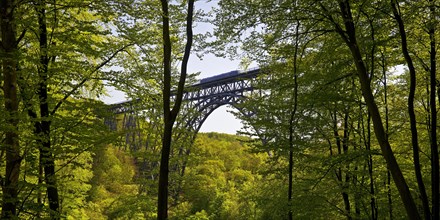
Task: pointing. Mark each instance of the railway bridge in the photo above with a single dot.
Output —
(139, 122)
(200, 99)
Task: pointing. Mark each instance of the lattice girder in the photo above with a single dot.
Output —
(200, 99)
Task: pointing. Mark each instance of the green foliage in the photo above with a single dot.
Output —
(309, 104)
(332, 124)
(112, 184)
(219, 174)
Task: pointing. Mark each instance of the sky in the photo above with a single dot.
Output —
(220, 120)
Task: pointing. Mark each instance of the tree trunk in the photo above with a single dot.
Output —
(367, 141)
(40, 203)
(162, 207)
(291, 119)
(11, 143)
(349, 36)
(43, 127)
(389, 195)
(412, 116)
(388, 180)
(432, 102)
(170, 115)
(346, 184)
(342, 149)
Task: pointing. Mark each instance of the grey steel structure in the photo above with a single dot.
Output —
(200, 99)
(211, 93)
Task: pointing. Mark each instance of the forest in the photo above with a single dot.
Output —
(341, 124)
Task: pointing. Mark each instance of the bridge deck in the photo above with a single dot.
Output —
(226, 78)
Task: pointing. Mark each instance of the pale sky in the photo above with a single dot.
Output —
(220, 120)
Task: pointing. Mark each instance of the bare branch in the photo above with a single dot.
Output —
(87, 78)
(21, 36)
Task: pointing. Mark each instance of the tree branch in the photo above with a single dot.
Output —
(21, 36)
(87, 79)
(183, 72)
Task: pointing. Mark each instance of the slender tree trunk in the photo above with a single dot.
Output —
(291, 119)
(290, 188)
(43, 126)
(170, 115)
(39, 191)
(412, 116)
(290, 181)
(358, 179)
(389, 195)
(367, 141)
(373, 205)
(162, 207)
(349, 36)
(388, 180)
(164, 170)
(346, 184)
(433, 134)
(339, 174)
(11, 144)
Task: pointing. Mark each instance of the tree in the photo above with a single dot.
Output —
(432, 103)
(43, 121)
(11, 145)
(170, 115)
(221, 175)
(43, 128)
(363, 30)
(348, 34)
(50, 65)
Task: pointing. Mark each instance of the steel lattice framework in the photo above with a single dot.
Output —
(208, 96)
(200, 99)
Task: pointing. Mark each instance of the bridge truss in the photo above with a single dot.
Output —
(205, 97)
(199, 100)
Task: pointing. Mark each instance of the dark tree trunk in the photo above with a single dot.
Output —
(164, 170)
(291, 120)
(346, 184)
(170, 115)
(432, 102)
(370, 169)
(358, 180)
(389, 195)
(349, 36)
(290, 183)
(11, 144)
(39, 191)
(412, 116)
(162, 208)
(388, 181)
(342, 149)
(42, 128)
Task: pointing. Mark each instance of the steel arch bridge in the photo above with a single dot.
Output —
(200, 100)
(213, 92)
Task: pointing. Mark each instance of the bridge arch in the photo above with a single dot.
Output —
(211, 93)
(206, 107)
(200, 100)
